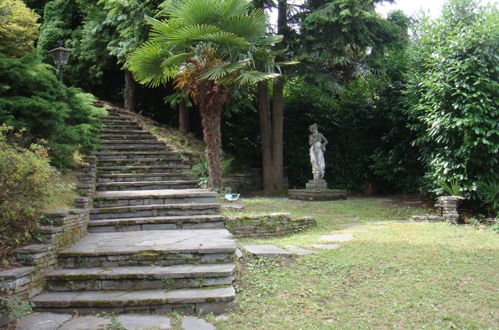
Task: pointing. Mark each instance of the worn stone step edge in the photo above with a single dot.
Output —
(181, 206)
(134, 194)
(133, 167)
(156, 220)
(135, 153)
(128, 184)
(144, 272)
(139, 160)
(155, 146)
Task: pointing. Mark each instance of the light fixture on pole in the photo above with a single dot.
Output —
(61, 58)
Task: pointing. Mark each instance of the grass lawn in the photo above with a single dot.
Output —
(429, 275)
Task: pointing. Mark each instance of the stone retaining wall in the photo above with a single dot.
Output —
(275, 224)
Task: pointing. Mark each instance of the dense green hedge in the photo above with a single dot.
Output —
(59, 117)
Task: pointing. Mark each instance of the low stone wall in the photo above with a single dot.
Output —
(275, 224)
(249, 181)
(59, 230)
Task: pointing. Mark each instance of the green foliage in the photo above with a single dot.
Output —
(199, 170)
(18, 28)
(452, 188)
(452, 96)
(61, 118)
(28, 182)
(15, 307)
(218, 35)
(488, 192)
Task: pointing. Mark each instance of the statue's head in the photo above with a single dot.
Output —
(313, 128)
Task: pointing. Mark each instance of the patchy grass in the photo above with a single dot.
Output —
(64, 197)
(408, 275)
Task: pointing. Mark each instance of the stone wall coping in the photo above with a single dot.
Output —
(64, 213)
(15, 273)
(258, 216)
(34, 248)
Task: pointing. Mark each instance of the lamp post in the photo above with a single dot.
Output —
(61, 58)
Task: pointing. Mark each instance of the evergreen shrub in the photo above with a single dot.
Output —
(62, 119)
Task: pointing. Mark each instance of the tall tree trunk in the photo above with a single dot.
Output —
(130, 91)
(212, 136)
(266, 136)
(277, 135)
(183, 118)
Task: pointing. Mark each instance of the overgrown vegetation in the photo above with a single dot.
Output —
(28, 184)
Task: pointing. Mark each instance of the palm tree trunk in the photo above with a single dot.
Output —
(277, 135)
(183, 117)
(266, 136)
(212, 136)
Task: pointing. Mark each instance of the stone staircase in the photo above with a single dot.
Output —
(155, 242)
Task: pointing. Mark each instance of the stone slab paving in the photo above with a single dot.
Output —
(265, 250)
(379, 227)
(326, 246)
(171, 241)
(42, 321)
(336, 238)
(85, 323)
(194, 323)
(298, 250)
(138, 321)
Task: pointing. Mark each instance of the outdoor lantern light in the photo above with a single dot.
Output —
(61, 58)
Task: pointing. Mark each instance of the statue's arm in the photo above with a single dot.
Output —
(325, 140)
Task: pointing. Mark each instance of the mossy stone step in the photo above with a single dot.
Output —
(110, 138)
(179, 209)
(191, 301)
(156, 197)
(173, 168)
(139, 162)
(156, 247)
(113, 155)
(157, 223)
(141, 277)
(146, 185)
(131, 147)
(136, 177)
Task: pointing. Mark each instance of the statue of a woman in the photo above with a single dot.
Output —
(317, 143)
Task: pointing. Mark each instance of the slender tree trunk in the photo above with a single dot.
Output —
(277, 135)
(183, 118)
(212, 136)
(266, 136)
(130, 92)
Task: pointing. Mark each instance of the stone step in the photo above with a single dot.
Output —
(110, 138)
(117, 120)
(142, 177)
(146, 185)
(138, 162)
(173, 168)
(105, 199)
(141, 277)
(154, 247)
(136, 130)
(157, 223)
(140, 148)
(131, 139)
(117, 155)
(154, 210)
(188, 301)
(132, 145)
(122, 126)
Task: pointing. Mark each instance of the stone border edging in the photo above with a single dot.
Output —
(274, 224)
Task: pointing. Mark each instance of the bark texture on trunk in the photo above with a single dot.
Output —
(277, 135)
(183, 118)
(130, 91)
(266, 136)
(212, 136)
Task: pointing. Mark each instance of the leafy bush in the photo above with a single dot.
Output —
(199, 170)
(61, 118)
(452, 96)
(18, 28)
(28, 182)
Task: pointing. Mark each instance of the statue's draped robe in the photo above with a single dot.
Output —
(317, 160)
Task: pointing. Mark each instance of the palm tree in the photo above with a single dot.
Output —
(205, 46)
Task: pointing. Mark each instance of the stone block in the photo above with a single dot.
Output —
(265, 250)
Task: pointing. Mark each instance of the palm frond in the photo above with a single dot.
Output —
(146, 64)
(218, 72)
(248, 26)
(226, 39)
(252, 77)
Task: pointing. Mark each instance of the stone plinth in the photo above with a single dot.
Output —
(317, 194)
(316, 184)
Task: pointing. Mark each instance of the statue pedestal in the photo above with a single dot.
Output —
(316, 184)
(317, 191)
